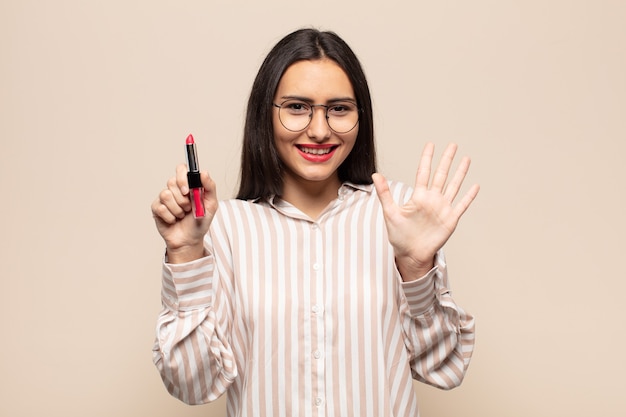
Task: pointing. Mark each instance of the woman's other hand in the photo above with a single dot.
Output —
(172, 212)
(420, 227)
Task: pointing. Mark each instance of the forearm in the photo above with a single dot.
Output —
(440, 333)
(443, 347)
(187, 325)
(193, 357)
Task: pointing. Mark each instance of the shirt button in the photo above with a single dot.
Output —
(316, 266)
(318, 401)
(314, 226)
(317, 354)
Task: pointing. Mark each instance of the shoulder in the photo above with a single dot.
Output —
(245, 212)
(236, 207)
(400, 191)
(239, 217)
(400, 187)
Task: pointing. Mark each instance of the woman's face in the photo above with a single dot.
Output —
(314, 154)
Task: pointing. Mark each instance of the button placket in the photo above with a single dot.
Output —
(317, 317)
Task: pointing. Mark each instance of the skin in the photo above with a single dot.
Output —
(308, 185)
(416, 230)
(419, 228)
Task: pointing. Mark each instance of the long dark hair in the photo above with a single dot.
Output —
(261, 167)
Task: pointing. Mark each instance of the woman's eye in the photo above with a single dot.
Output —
(339, 109)
(298, 107)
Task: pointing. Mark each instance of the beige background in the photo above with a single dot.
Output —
(97, 97)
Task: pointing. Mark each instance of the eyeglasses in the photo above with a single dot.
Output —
(296, 115)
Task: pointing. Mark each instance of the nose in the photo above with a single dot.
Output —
(318, 128)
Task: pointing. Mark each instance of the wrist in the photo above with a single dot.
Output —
(411, 269)
(184, 254)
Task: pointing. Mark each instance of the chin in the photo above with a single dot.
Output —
(318, 177)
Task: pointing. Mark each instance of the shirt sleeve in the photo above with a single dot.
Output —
(439, 334)
(192, 350)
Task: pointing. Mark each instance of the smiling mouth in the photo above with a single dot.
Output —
(317, 151)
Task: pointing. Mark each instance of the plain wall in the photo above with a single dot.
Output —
(96, 99)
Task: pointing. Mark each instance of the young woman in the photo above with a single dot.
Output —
(321, 289)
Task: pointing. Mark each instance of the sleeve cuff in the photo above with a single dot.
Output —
(188, 286)
(420, 294)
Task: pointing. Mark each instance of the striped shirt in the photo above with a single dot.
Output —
(298, 317)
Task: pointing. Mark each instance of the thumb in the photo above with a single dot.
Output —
(382, 190)
(210, 192)
(207, 182)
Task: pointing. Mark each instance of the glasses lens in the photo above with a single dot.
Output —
(343, 116)
(296, 115)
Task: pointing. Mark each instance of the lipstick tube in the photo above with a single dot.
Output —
(196, 191)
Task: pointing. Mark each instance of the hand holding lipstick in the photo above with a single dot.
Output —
(178, 208)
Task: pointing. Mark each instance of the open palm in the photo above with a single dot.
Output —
(420, 227)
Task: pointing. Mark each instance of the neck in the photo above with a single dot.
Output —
(310, 197)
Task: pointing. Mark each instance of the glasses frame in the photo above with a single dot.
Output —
(326, 106)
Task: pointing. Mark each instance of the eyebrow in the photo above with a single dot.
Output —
(308, 100)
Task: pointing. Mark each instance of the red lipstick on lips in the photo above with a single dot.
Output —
(316, 155)
(196, 191)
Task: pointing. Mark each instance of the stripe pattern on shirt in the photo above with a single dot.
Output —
(293, 316)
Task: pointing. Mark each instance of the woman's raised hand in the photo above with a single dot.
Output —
(420, 227)
(183, 234)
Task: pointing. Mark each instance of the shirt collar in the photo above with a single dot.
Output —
(346, 188)
(363, 187)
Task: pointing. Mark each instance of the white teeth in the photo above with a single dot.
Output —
(315, 151)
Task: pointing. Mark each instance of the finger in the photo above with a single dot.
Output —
(207, 182)
(210, 191)
(466, 201)
(182, 199)
(170, 204)
(382, 190)
(161, 213)
(181, 179)
(423, 169)
(441, 175)
(453, 187)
